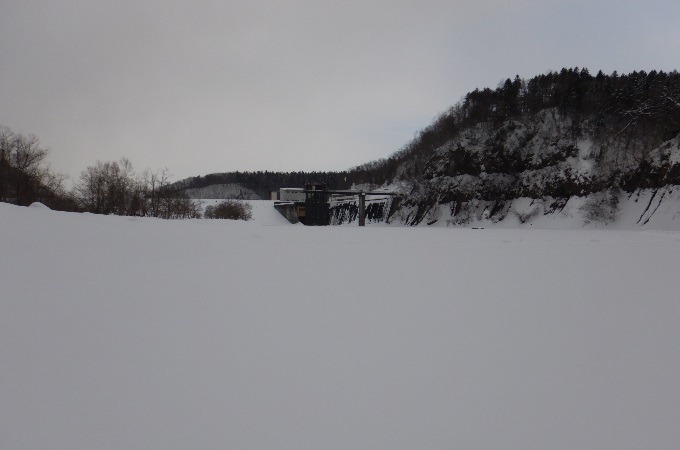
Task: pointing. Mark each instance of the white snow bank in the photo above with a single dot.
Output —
(38, 205)
(120, 333)
(263, 211)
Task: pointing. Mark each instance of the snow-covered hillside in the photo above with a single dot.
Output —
(129, 333)
(654, 209)
(522, 169)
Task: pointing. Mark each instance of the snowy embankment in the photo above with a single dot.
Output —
(650, 209)
(123, 333)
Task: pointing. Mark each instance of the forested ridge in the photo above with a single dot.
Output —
(636, 106)
(555, 136)
(625, 116)
(265, 182)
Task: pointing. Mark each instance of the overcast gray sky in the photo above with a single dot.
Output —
(208, 86)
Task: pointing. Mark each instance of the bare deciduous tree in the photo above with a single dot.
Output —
(113, 188)
(24, 173)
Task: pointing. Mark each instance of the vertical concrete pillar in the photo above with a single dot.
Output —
(362, 209)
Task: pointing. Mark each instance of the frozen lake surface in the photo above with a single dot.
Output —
(130, 333)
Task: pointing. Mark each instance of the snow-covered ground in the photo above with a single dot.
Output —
(127, 333)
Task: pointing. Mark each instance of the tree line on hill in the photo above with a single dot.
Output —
(556, 136)
(263, 183)
(641, 107)
(625, 116)
(104, 188)
(25, 174)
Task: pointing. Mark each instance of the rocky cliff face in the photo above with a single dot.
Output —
(541, 165)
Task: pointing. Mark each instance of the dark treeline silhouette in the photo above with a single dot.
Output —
(635, 105)
(114, 188)
(265, 182)
(105, 188)
(625, 117)
(555, 136)
(25, 174)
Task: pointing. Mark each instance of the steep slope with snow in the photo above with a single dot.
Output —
(137, 333)
(532, 148)
(485, 175)
(538, 171)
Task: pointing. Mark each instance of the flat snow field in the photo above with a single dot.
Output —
(127, 333)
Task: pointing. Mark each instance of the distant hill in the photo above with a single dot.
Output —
(258, 184)
(558, 137)
(217, 191)
(554, 141)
